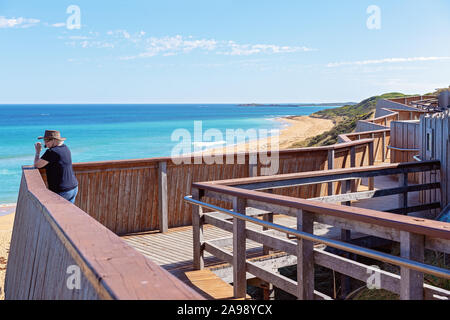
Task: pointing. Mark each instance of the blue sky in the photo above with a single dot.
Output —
(220, 51)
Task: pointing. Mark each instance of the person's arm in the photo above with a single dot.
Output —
(38, 162)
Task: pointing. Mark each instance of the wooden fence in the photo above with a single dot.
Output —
(380, 144)
(434, 144)
(385, 121)
(129, 196)
(409, 100)
(59, 252)
(405, 141)
(413, 234)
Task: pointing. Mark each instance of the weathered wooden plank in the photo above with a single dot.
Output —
(314, 177)
(363, 215)
(197, 232)
(239, 250)
(305, 257)
(277, 280)
(330, 167)
(377, 230)
(375, 193)
(411, 283)
(131, 212)
(162, 200)
(371, 159)
(418, 208)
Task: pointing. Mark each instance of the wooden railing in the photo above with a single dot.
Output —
(405, 142)
(381, 141)
(409, 100)
(130, 196)
(379, 130)
(414, 234)
(385, 121)
(59, 252)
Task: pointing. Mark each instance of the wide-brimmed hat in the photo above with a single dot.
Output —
(52, 134)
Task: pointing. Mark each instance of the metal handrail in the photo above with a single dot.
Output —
(403, 149)
(402, 262)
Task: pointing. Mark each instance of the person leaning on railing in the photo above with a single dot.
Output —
(57, 161)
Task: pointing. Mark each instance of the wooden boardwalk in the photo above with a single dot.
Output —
(173, 250)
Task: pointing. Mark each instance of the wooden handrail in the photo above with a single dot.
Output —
(365, 171)
(153, 162)
(112, 268)
(409, 285)
(404, 223)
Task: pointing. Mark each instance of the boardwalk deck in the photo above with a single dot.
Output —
(173, 250)
(209, 285)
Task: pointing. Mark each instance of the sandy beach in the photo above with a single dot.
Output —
(298, 129)
(6, 226)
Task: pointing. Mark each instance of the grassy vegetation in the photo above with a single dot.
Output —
(437, 91)
(328, 282)
(434, 258)
(345, 119)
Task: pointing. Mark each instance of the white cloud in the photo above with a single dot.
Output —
(388, 60)
(174, 45)
(17, 22)
(234, 49)
(59, 25)
(169, 46)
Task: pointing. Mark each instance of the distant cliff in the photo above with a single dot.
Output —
(345, 119)
(297, 105)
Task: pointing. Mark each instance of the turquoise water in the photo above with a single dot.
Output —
(113, 132)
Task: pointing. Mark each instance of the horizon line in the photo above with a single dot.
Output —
(144, 103)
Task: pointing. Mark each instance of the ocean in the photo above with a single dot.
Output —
(113, 132)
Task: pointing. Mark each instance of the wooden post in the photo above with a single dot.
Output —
(403, 197)
(269, 218)
(268, 290)
(374, 152)
(252, 164)
(411, 282)
(346, 237)
(239, 251)
(371, 163)
(330, 167)
(353, 165)
(197, 231)
(305, 257)
(162, 197)
(383, 156)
